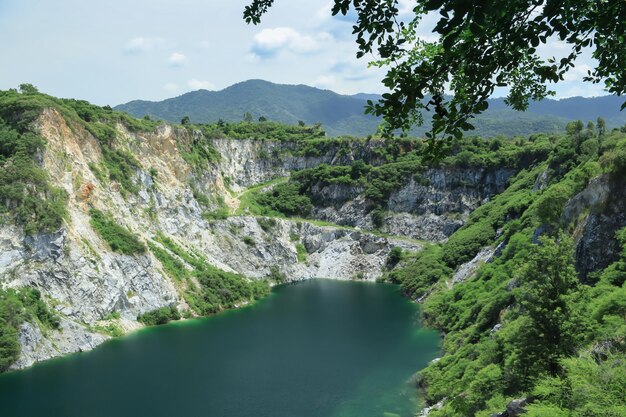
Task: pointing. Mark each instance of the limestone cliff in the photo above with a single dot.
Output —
(92, 287)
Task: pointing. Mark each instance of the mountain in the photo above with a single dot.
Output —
(343, 115)
(515, 249)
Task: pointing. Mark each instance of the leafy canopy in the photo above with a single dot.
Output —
(481, 45)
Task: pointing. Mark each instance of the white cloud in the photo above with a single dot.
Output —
(177, 59)
(325, 81)
(269, 42)
(406, 6)
(200, 85)
(324, 13)
(143, 44)
(577, 73)
(171, 87)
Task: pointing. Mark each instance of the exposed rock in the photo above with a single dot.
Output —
(468, 269)
(600, 210)
(84, 281)
(38, 347)
(431, 209)
(426, 410)
(514, 408)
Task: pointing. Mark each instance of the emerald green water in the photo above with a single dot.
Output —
(319, 348)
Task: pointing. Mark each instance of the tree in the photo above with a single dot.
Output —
(28, 89)
(185, 121)
(480, 45)
(601, 126)
(548, 327)
(247, 117)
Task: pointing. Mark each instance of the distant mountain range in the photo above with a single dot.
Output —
(343, 115)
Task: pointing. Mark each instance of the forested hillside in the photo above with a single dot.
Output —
(515, 247)
(344, 115)
(530, 293)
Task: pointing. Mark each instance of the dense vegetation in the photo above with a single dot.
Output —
(399, 161)
(525, 325)
(261, 130)
(159, 316)
(343, 115)
(119, 238)
(15, 308)
(26, 195)
(206, 289)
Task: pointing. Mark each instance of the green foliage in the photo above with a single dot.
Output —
(122, 168)
(395, 256)
(17, 306)
(206, 288)
(119, 238)
(276, 276)
(198, 151)
(25, 191)
(286, 198)
(548, 327)
(302, 253)
(518, 321)
(10, 347)
(420, 272)
(266, 223)
(172, 265)
(462, 56)
(402, 160)
(467, 242)
(248, 240)
(221, 213)
(260, 131)
(378, 218)
(159, 316)
(586, 388)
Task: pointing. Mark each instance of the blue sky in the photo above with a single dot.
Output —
(114, 51)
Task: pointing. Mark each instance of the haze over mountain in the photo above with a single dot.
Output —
(343, 115)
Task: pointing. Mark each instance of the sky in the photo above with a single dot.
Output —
(114, 51)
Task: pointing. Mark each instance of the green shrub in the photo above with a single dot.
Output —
(287, 199)
(301, 252)
(221, 213)
(218, 289)
(17, 306)
(119, 238)
(248, 241)
(266, 223)
(421, 272)
(378, 218)
(276, 276)
(159, 316)
(467, 242)
(395, 256)
(25, 190)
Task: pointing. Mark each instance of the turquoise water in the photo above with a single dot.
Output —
(319, 348)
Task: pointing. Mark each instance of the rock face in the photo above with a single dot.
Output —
(85, 282)
(250, 162)
(428, 212)
(602, 207)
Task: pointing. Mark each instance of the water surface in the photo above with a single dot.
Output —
(319, 348)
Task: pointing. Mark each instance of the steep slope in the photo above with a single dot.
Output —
(343, 115)
(109, 222)
(529, 293)
(133, 233)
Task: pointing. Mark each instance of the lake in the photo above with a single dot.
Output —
(319, 348)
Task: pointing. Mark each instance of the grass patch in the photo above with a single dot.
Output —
(119, 238)
(301, 253)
